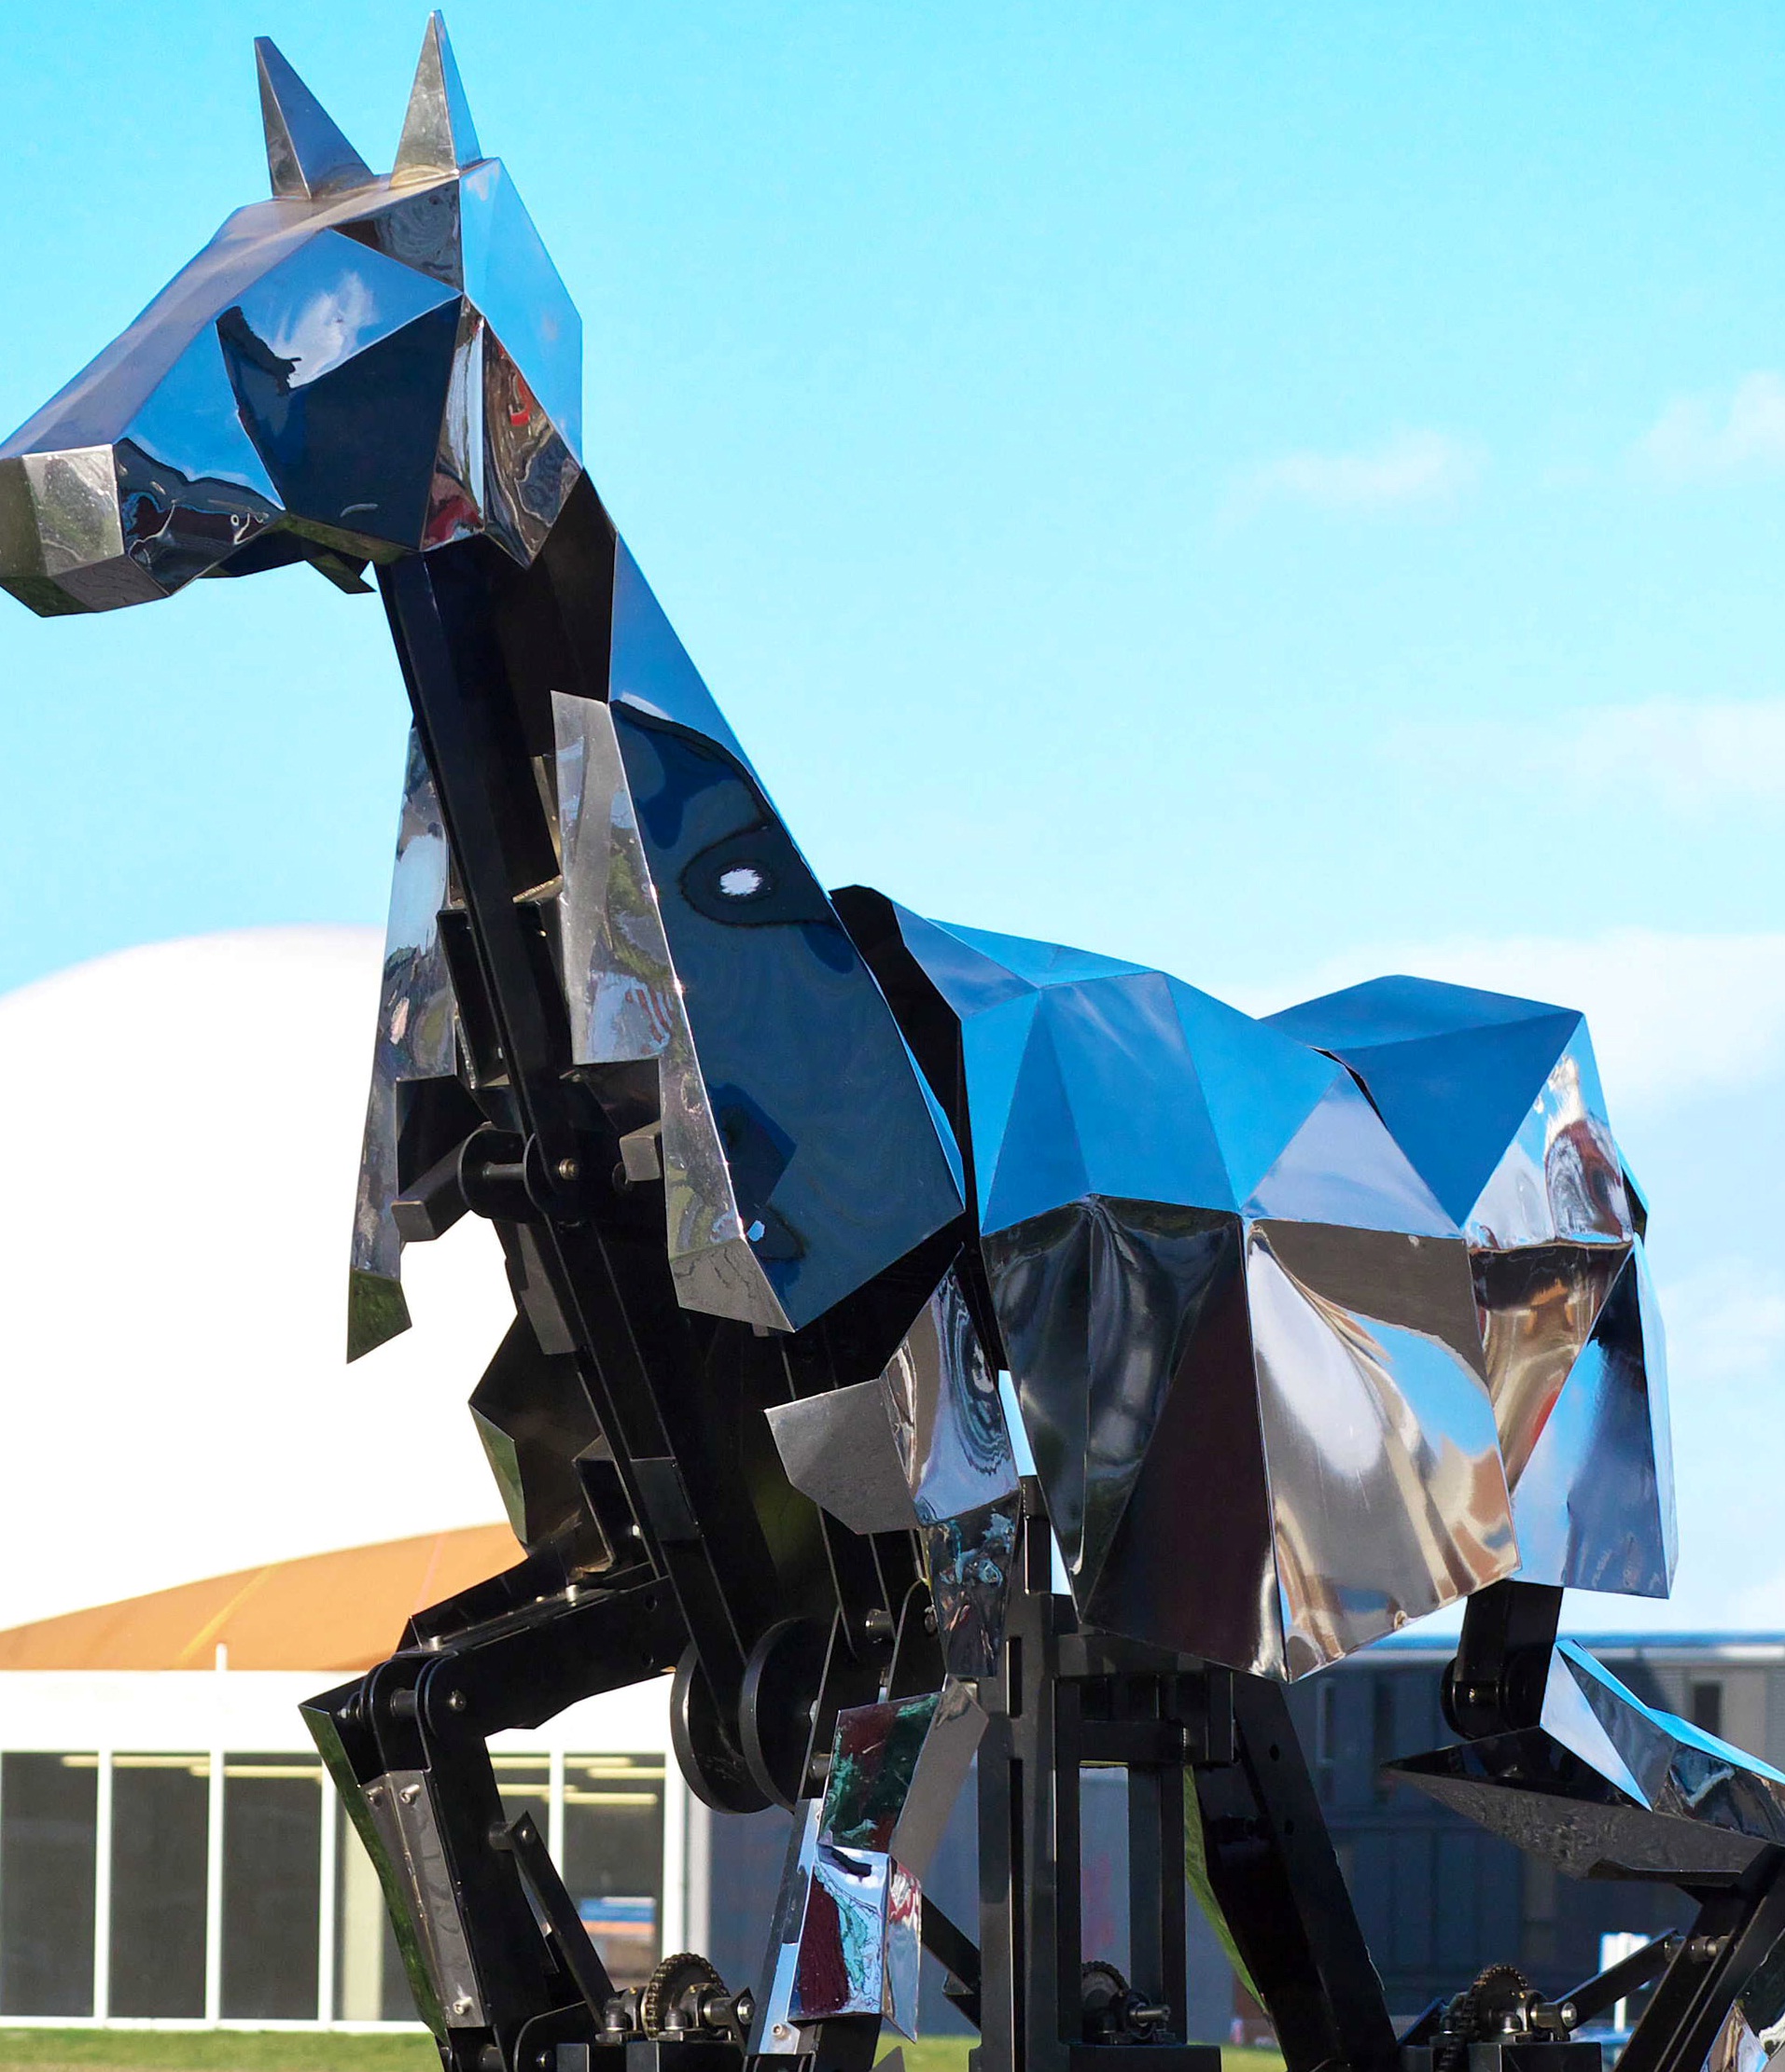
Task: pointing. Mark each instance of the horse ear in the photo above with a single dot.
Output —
(439, 136)
(306, 154)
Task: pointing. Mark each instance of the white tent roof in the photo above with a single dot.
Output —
(182, 1143)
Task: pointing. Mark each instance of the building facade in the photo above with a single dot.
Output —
(171, 1852)
(1440, 1898)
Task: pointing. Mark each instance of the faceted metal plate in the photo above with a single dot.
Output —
(1498, 1102)
(307, 373)
(1606, 1787)
(1242, 1329)
(416, 1039)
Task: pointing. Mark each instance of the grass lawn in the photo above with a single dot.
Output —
(283, 2051)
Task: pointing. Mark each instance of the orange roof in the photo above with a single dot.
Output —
(344, 1610)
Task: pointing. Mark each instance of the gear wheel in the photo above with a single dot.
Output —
(1103, 1993)
(1477, 2011)
(669, 1985)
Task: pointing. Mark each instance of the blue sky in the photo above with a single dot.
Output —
(1280, 493)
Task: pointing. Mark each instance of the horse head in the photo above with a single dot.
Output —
(364, 366)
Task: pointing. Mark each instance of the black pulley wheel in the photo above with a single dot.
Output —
(781, 1684)
(717, 1773)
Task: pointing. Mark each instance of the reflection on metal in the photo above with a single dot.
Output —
(896, 1769)
(1498, 1102)
(970, 1565)
(367, 1807)
(402, 1813)
(1608, 1787)
(949, 1423)
(415, 1040)
(302, 390)
(1214, 1269)
(774, 2034)
(439, 136)
(307, 155)
(1313, 1325)
(626, 1004)
(860, 1943)
(839, 1449)
(839, 1161)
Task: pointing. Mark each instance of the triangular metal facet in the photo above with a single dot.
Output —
(439, 136)
(307, 155)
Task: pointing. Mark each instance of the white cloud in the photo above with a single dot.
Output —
(1673, 1016)
(1700, 437)
(1693, 756)
(1410, 466)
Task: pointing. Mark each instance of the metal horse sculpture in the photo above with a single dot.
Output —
(1312, 1324)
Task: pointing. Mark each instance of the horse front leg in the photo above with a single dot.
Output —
(500, 1966)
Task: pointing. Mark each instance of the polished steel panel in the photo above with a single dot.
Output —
(627, 1002)
(970, 1563)
(896, 1769)
(439, 136)
(839, 1449)
(772, 2031)
(1607, 1786)
(416, 1038)
(946, 1416)
(528, 470)
(1389, 1495)
(838, 1159)
(307, 157)
(401, 1807)
(1498, 1102)
(508, 275)
(860, 1939)
(1593, 1506)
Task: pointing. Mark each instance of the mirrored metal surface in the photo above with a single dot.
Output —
(528, 470)
(1498, 1102)
(838, 1160)
(946, 1416)
(1754, 2028)
(439, 136)
(1608, 1787)
(1319, 1453)
(1373, 1409)
(307, 373)
(415, 1040)
(873, 1765)
(1594, 1505)
(896, 1769)
(772, 2033)
(970, 1563)
(508, 275)
(840, 1449)
(860, 1939)
(627, 1002)
(307, 157)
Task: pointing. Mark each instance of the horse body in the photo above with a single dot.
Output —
(1314, 1324)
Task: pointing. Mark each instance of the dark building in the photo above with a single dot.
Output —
(1438, 1899)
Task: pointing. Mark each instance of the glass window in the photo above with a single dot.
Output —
(48, 1853)
(370, 1984)
(160, 1818)
(272, 1886)
(613, 1858)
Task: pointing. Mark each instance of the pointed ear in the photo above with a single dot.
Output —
(306, 155)
(439, 136)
